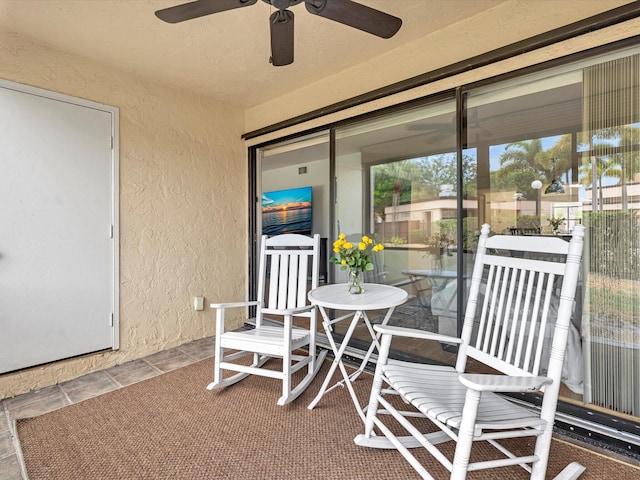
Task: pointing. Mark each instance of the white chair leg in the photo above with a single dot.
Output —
(227, 381)
(304, 383)
(465, 435)
(286, 371)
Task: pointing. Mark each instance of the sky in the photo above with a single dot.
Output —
(293, 195)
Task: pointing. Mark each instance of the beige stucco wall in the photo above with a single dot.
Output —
(183, 212)
(183, 169)
(502, 25)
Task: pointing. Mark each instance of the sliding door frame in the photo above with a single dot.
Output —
(582, 422)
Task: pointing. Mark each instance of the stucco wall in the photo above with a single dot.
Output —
(183, 173)
(183, 207)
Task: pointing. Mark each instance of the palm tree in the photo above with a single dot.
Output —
(392, 186)
(560, 156)
(525, 161)
(627, 137)
(602, 164)
(520, 157)
(517, 166)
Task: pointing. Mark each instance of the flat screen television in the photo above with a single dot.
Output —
(287, 211)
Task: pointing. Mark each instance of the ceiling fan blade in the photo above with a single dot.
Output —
(356, 15)
(199, 8)
(281, 37)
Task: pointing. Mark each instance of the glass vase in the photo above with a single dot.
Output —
(355, 283)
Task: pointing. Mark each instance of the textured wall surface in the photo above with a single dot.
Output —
(183, 207)
(502, 25)
(183, 173)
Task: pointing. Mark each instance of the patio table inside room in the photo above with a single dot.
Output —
(516, 323)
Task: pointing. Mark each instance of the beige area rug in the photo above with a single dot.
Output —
(171, 427)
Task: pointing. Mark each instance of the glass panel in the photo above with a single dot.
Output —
(540, 154)
(292, 194)
(523, 138)
(610, 176)
(396, 182)
(560, 149)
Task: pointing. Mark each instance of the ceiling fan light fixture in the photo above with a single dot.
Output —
(555, 187)
(282, 4)
(281, 23)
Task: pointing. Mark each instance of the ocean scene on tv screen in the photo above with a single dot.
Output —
(287, 211)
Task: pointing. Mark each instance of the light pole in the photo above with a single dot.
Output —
(537, 185)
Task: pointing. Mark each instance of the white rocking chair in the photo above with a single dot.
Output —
(287, 259)
(514, 290)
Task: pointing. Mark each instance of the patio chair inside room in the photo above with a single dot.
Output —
(515, 332)
(283, 284)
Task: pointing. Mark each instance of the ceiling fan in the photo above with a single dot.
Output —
(346, 12)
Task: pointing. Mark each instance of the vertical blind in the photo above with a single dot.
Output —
(611, 177)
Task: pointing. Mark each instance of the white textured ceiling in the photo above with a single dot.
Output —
(224, 55)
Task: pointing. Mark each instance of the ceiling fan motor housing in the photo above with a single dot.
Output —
(282, 4)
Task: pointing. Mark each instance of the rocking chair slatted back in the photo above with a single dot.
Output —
(518, 299)
(288, 266)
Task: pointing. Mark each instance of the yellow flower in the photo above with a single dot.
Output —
(356, 256)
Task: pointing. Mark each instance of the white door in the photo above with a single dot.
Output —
(57, 254)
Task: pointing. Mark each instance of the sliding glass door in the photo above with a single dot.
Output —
(532, 155)
(523, 139)
(554, 150)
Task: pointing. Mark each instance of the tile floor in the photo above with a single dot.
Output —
(82, 388)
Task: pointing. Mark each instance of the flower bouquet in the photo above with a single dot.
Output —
(356, 258)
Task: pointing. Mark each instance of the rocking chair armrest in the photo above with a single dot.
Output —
(234, 304)
(503, 383)
(414, 333)
(289, 311)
